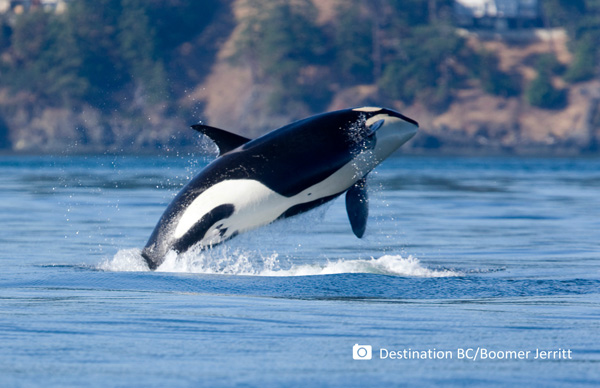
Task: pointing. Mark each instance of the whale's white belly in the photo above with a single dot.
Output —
(256, 205)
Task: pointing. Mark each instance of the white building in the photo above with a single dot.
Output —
(19, 6)
(58, 6)
(497, 13)
(4, 6)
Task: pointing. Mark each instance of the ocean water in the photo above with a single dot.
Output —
(473, 271)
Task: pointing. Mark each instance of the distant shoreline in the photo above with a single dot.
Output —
(408, 152)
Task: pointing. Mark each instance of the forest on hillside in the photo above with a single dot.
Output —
(133, 56)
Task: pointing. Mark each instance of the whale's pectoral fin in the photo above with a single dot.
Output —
(226, 141)
(357, 206)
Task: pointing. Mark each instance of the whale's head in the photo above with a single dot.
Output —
(386, 129)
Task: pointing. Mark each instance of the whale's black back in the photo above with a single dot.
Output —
(287, 160)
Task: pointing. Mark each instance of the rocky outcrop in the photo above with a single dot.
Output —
(87, 129)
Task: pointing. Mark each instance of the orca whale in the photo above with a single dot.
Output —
(286, 172)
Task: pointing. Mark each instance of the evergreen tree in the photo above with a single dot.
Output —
(137, 48)
(5, 33)
(563, 13)
(354, 43)
(177, 21)
(493, 80)
(585, 61)
(46, 59)
(541, 93)
(95, 23)
(4, 135)
(278, 39)
(430, 70)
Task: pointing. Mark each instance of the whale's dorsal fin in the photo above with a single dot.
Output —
(357, 206)
(226, 141)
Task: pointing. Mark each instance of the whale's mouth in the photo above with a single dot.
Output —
(393, 124)
(399, 115)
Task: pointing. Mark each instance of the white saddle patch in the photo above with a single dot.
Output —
(367, 109)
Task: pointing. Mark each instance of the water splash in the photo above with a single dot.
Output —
(394, 265)
(225, 261)
(125, 260)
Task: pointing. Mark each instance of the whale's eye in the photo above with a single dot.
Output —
(374, 127)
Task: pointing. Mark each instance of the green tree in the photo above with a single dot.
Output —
(62, 61)
(178, 21)
(415, 12)
(4, 134)
(137, 48)
(5, 33)
(354, 43)
(431, 69)
(541, 92)
(562, 13)
(585, 61)
(278, 39)
(46, 59)
(493, 80)
(95, 25)
(102, 52)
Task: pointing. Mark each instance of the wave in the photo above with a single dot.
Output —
(239, 262)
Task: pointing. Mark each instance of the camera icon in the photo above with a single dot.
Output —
(362, 352)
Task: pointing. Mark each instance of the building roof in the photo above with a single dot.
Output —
(524, 9)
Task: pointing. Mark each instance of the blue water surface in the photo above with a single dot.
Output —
(492, 255)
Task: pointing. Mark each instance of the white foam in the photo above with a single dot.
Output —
(385, 265)
(223, 261)
(126, 260)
